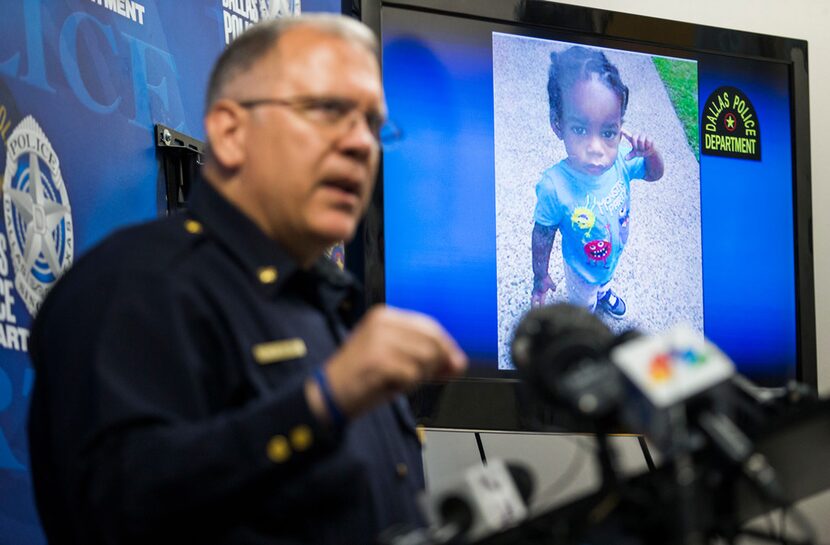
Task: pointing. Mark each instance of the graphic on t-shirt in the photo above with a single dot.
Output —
(583, 218)
(599, 250)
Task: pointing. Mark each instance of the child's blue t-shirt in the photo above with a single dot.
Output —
(591, 212)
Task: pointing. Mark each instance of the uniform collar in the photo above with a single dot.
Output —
(267, 263)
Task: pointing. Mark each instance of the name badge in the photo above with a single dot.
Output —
(277, 351)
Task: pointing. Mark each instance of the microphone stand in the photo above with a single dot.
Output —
(607, 462)
(685, 478)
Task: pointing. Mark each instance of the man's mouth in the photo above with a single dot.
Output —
(348, 191)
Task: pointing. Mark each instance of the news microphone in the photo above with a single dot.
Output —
(682, 380)
(676, 374)
(571, 359)
(677, 388)
(486, 499)
(561, 352)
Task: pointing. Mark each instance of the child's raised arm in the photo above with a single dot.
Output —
(541, 243)
(643, 146)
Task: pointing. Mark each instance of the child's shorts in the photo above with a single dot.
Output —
(581, 293)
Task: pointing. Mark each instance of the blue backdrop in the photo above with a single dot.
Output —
(82, 83)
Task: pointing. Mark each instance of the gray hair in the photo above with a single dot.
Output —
(261, 38)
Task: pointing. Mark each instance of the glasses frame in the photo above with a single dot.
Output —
(341, 111)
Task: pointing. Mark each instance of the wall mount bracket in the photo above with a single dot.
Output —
(181, 155)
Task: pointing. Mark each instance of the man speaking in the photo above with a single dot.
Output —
(213, 386)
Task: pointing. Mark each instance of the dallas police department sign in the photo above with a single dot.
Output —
(730, 125)
(238, 15)
(37, 214)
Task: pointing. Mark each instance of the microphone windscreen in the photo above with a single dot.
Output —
(552, 340)
(523, 478)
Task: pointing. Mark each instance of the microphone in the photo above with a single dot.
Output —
(570, 358)
(673, 375)
(561, 352)
(677, 388)
(684, 388)
(486, 499)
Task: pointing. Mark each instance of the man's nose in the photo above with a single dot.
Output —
(358, 138)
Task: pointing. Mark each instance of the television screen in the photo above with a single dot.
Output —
(656, 181)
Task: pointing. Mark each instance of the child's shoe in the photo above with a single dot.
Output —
(612, 304)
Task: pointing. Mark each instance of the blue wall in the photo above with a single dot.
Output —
(90, 83)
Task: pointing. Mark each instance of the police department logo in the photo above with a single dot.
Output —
(730, 125)
(282, 8)
(37, 213)
(238, 15)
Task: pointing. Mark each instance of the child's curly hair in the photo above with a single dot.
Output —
(579, 63)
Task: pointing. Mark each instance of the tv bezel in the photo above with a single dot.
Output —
(457, 404)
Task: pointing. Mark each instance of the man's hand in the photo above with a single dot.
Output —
(389, 352)
(540, 290)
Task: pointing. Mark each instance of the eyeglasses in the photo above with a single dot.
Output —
(333, 113)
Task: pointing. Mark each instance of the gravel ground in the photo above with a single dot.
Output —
(659, 275)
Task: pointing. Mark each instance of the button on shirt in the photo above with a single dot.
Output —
(169, 402)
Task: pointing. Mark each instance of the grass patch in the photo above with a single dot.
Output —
(680, 79)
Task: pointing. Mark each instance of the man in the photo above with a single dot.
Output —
(195, 381)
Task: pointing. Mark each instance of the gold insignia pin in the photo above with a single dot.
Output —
(267, 275)
(277, 351)
(301, 438)
(193, 227)
(278, 450)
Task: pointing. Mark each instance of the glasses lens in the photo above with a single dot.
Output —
(389, 133)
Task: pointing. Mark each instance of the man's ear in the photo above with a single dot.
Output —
(557, 129)
(226, 131)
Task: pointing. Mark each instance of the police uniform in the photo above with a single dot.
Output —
(169, 402)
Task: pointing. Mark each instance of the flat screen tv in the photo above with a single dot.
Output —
(720, 240)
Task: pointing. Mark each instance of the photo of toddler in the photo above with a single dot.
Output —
(597, 185)
(587, 196)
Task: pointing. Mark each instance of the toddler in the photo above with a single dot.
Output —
(587, 195)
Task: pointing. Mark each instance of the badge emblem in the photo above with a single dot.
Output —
(731, 127)
(281, 8)
(37, 213)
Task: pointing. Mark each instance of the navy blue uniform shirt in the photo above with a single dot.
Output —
(169, 401)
